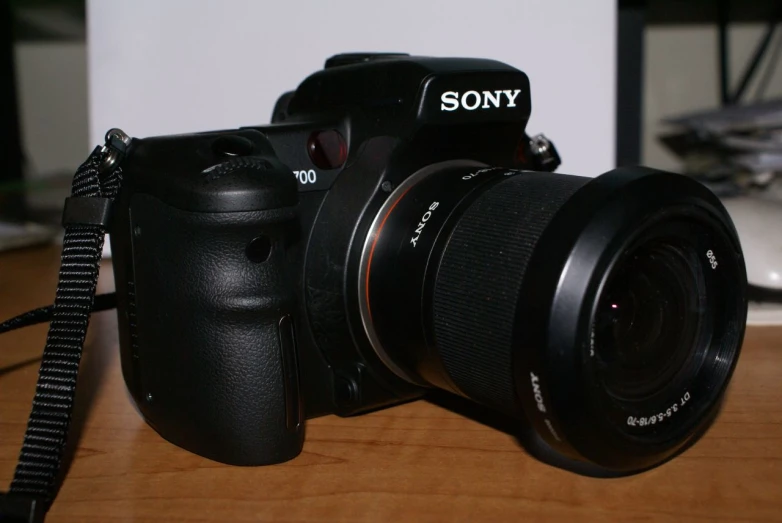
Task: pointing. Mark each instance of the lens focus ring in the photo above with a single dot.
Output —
(479, 277)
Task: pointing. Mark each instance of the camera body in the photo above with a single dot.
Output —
(237, 253)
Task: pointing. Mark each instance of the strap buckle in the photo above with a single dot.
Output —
(96, 210)
(15, 508)
(92, 210)
(117, 143)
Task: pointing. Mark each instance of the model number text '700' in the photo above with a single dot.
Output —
(306, 176)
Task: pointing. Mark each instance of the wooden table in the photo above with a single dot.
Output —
(417, 462)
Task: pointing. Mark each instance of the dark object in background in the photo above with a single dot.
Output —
(11, 203)
(28, 21)
(630, 24)
(408, 250)
(635, 15)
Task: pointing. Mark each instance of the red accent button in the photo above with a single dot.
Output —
(327, 149)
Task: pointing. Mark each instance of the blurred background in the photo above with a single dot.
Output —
(693, 87)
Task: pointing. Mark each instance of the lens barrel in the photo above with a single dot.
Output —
(609, 312)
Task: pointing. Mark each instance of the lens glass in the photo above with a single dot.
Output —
(648, 321)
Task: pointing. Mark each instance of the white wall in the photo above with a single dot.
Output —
(173, 66)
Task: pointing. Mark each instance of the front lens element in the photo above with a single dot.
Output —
(648, 320)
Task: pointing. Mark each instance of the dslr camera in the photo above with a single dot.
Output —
(394, 230)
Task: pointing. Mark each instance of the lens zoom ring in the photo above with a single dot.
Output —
(479, 279)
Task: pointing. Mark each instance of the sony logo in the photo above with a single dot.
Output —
(536, 391)
(472, 100)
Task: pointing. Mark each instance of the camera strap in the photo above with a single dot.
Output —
(85, 217)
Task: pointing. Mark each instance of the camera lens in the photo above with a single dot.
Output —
(648, 319)
(608, 313)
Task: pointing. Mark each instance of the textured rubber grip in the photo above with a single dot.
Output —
(206, 302)
(478, 281)
(213, 368)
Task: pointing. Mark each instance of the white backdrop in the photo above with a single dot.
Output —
(174, 66)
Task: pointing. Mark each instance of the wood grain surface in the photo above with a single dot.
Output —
(416, 462)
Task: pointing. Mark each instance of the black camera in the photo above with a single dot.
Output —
(395, 230)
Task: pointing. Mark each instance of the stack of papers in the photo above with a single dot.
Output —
(16, 235)
(742, 144)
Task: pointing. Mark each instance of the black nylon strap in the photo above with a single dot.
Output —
(37, 473)
(103, 302)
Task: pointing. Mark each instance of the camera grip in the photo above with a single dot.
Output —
(212, 361)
